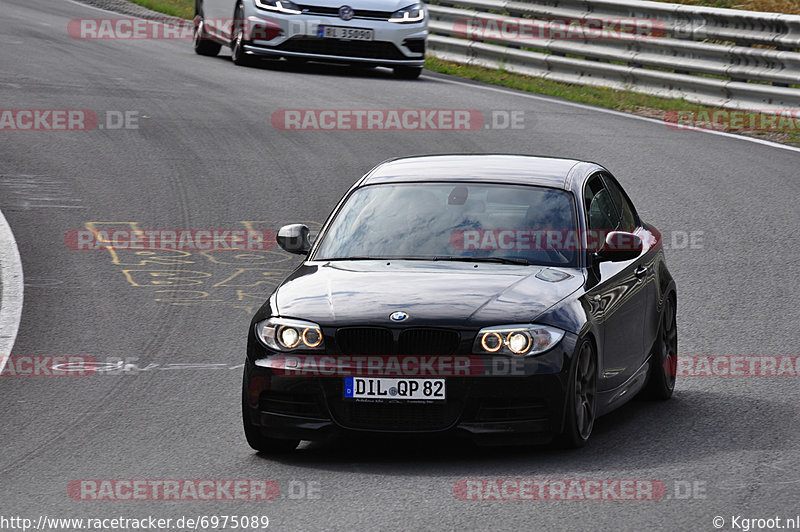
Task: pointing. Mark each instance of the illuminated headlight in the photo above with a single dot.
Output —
(283, 334)
(412, 13)
(516, 340)
(281, 6)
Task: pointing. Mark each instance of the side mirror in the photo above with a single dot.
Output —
(294, 239)
(620, 246)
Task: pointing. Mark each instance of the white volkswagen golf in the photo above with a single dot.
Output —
(388, 33)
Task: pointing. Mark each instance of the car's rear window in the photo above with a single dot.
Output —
(437, 220)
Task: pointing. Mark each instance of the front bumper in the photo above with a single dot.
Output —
(296, 36)
(530, 402)
(277, 52)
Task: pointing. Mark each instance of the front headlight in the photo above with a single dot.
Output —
(412, 13)
(283, 334)
(282, 6)
(516, 340)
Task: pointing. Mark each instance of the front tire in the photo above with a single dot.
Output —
(238, 55)
(203, 45)
(664, 358)
(254, 435)
(581, 399)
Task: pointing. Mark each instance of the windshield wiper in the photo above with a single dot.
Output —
(500, 260)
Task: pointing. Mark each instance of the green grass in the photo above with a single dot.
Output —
(176, 8)
(775, 6)
(634, 102)
(603, 97)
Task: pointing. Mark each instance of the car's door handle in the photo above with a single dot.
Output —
(640, 272)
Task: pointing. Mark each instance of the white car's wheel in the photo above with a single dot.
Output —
(203, 45)
(238, 54)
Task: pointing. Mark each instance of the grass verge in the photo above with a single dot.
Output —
(672, 111)
(773, 6)
(176, 8)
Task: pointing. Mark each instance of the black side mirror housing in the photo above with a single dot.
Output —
(294, 239)
(620, 246)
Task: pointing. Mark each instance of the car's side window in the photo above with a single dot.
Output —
(626, 211)
(600, 211)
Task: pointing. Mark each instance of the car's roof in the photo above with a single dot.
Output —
(514, 169)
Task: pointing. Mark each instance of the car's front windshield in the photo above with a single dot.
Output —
(454, 221)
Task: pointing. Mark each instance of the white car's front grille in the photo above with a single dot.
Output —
(362, 14)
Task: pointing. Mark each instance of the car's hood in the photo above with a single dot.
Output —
(431, 293)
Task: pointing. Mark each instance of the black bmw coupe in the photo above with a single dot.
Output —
(504, 297)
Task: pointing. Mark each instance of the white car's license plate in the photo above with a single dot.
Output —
(387, 388)
(340, 32)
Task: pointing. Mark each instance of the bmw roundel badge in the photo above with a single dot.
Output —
(398, 316)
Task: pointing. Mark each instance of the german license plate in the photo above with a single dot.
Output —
(386, 388)
(340, 32)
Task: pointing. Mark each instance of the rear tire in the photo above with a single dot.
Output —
(664, 358)
(203, 45)
(581, 399)
(254, 435)
(403, 72)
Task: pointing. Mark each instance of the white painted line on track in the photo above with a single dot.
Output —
(11, 287)
(548, 99)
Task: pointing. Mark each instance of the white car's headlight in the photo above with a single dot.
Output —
(283, 334)
(516, 340)
(412, 13)
(281, 6)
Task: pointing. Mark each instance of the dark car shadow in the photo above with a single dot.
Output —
(317, 69)
(692, 425)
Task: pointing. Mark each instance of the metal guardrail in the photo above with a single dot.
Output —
(711, 56)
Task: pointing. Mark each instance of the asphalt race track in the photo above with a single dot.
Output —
(200, 152)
